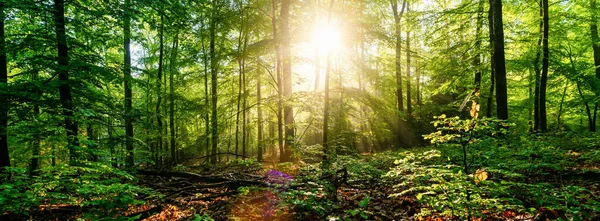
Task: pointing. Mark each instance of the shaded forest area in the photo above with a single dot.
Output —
(299, 110)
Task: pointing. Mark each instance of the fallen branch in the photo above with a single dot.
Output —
(146, 213)
(198, 177)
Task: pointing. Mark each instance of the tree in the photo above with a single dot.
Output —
(499, 61)
(286, 61)
(213, 78)
(129, 162)
(66, 99)
(544, 77)
(4, 102)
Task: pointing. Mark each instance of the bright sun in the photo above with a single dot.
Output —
(326, 38)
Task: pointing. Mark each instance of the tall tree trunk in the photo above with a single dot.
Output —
(4, 103)
(317, 60)
(173, 66)
(35, 150)
(596, 49)
(66, 99)
(279, 80)
(260, 118)
(286, 61)
(538, 74)
(213, 73)
(127, 81)
(159, 142)
(398, 35)
(544, 78)
(418, 70)
(499, 62)
(408, 79)
(326, 150)
(244, 100)
(490, 98)
(206, 94)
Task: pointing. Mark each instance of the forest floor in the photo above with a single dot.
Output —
(535, 178)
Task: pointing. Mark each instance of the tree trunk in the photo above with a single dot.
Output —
(408, 79)
(287, 79)
(279, 81)
(544, 78)
(35, 151)
(66, 99)
(213, 73)
(399, 96)
(173, 67)
(129, 162)
(244, 98)
(260, 118)
(596, 49)
(538, 73)
(159, 142)
(490, 98)
(499, 63)
(4, 102)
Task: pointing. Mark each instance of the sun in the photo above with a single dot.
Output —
(326, 38)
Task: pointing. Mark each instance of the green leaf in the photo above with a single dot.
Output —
(353, 212)
(419, 196)
(363, 203)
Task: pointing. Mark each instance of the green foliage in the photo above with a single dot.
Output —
(100, 189)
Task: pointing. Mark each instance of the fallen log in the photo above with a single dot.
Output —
(193, 176)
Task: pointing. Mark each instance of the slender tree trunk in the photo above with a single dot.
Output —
(418, 70)
(544, 78)
(587, 109)
(286, 61)
(129, 162)
(66, 99)
(173, 66)
(408, 79)
(538, 74)
(260, 118)
(399, 96)
(490, 98)
(499, 63)
(244, 97)
(206, 95)
(213, 71)
(326, 149)
(4, 102)
(317, 60)
(159, 142)
(35, 151)
(279, 81)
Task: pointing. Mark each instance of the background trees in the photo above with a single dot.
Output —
(200, 79)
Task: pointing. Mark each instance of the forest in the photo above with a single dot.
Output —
(299, 110)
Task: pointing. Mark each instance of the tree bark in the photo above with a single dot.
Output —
(408, 79)
(499, 62)
(66, 99)
(159, 124)
(213, 73)
(4, 102)
(490, 98)
(399, 95)
(129, 162)
(173, 66)
(538, 74)
(544, 77)
(260, 118)
(279, 80)
(286, 61)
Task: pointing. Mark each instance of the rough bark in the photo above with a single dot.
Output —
(490, 98)
(408, 79)
(538, 73)
(127, 84)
